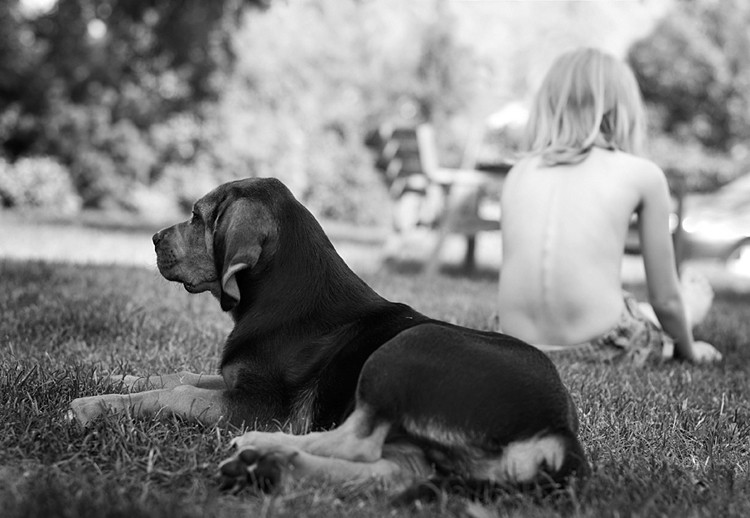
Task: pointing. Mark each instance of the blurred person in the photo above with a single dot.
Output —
(566, 207)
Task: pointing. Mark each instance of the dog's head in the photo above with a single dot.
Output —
(232, 229)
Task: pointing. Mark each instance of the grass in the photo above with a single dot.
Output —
(665, 440)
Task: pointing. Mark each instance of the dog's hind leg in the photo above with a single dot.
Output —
(268, 468)
(354, 453)
(357, 439)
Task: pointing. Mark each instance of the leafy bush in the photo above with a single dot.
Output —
(95, 177)
(105, 156)
(342, 182)
(37, 182)
(177, 139)
(131, 151)
(186, 182)
(691, 167)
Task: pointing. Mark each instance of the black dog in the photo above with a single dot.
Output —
(405, 398)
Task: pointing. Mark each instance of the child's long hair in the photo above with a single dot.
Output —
(587, 99)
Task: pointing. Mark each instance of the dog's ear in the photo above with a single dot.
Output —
(241, 228)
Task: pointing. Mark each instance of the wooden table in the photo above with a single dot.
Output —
(466, 192)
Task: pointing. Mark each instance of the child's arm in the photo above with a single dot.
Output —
(661, 273)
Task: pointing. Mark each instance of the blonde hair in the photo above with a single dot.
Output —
(588, 98)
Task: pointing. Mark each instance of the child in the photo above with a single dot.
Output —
(566, 208)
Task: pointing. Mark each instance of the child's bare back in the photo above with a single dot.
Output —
(564, 230)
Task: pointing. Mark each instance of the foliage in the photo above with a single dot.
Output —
(691, 167)
(694, 71)
(157, 56)
(96, 76)
(312, 79)
(37, 182)
(184, 95)
(664, 440)
(103, 155)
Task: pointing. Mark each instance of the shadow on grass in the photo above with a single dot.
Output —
(414, 267)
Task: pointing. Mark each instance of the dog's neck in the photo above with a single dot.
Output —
(304, 278)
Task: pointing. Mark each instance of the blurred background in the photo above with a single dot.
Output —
(129, 110)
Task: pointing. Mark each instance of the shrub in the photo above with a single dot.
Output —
(342, 183)
(37, 182)
(691, 167)
(187, 182)
(177, 139)
(130, 150)
(95, 177)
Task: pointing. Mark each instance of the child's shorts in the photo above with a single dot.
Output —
(634, 339)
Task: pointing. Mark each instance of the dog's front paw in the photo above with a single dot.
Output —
(83, 410)
(253, 468)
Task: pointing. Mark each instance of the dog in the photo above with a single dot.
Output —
(371, 390)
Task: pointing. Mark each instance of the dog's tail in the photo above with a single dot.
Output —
(567, 480)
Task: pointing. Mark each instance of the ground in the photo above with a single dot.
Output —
(668, 439)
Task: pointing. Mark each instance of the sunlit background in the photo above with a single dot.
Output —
(122, 112)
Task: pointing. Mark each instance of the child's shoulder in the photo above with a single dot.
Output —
(641, 173)
(636, 167)
(637, 161)
(632, 168)
(616, 156)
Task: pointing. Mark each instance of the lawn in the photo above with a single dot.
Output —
(667, 440)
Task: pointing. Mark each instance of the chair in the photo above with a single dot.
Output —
(411, 165)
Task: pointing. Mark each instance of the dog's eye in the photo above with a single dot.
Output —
(194, 217)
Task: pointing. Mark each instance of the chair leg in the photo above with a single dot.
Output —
(470, 257)
(433, 262)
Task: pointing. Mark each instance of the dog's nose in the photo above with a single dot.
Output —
(157, 237)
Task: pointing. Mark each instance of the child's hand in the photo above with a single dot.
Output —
(704, 352)
(697, 294)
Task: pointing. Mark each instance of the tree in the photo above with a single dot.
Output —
(13, 53)
(173, 92)
(151, 57)
(694, 71)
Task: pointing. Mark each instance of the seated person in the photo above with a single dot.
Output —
(566, 209)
